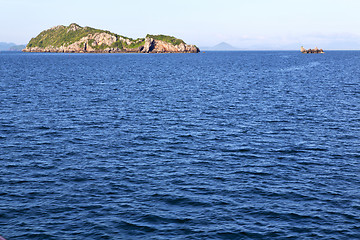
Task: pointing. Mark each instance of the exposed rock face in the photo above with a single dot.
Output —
(315, 50)
(149, 45)
(103, 38)
(73, 27)
(158, 46)
(89, 40)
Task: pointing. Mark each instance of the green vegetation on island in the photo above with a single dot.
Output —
(168, 39)
(74, 38)
(62, 35)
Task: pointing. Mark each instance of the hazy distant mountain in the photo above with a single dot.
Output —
(17, 48)
(224, 47)
(220, 47)
(10, 47)
(6, 46)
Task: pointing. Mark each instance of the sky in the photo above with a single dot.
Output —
(246, 24)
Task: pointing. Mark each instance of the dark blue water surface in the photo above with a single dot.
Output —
(217, 145)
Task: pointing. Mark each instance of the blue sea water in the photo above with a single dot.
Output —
(216, 145)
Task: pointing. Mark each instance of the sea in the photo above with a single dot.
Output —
(215, 145)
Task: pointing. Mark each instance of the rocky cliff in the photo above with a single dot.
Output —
(77, 39)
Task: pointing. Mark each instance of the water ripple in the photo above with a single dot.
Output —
(221, 145)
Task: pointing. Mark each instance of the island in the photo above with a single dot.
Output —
(315, 50)
(77, 39)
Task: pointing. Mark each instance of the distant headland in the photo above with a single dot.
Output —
(315, 50)
(77, 39)
(10, 47)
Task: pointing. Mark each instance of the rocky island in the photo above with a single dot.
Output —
(315, 50)
(77, 39)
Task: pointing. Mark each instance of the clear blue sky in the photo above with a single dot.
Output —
(248, 24)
